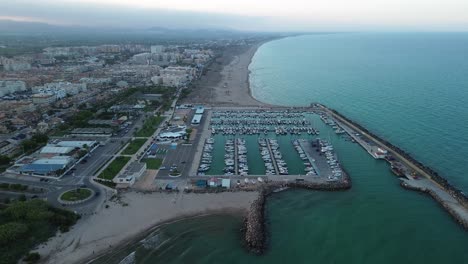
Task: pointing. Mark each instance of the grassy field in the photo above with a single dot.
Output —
(114, 168)
(76, 195)
(149, 127)
(133, 147)
(153, 164)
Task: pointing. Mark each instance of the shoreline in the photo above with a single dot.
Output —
(143, 234)
(132, 216)
(453, 210)
(239, 97)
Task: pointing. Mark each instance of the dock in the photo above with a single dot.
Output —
(308, 150)
(448, 196)
(273, 160)
(236, 158)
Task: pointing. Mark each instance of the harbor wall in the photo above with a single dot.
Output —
(439, 200)
(254, 226)
(452, 190)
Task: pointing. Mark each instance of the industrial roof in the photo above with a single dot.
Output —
(41, 168)
(199, 110)
(196, 118)
(172, 134)
(57, 160)
(75, 144)
(56, 150)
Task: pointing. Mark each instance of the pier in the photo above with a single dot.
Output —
(236, 158)
(273, 160)
(308, 150)
(449, 197)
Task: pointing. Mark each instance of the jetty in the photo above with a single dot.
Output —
(422, 178)
(273, 160)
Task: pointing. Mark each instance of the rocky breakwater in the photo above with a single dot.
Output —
(254, 223)
(455, 215)
(432, 174)
(254, 228)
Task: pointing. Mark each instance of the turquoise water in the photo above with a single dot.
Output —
(412, 89)
(409, 88)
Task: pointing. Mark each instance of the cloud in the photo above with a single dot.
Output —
(253, 15)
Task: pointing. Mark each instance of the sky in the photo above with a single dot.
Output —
(252, 15)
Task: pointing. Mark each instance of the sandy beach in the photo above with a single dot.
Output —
(226, 83)
(131, 216)
(134, 214)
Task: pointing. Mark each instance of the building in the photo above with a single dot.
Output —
(16, 65)
(60, 89)
(175, 76)
(92, 132)
(54, 166)
(157, 49)
(43, 98)
(76, 144)
(59, 151)
(9, 87)
(42, 127)
(378, 153)
(196, 119)
(131, 174)
(172, 134)
(199, 110)
(6, 148)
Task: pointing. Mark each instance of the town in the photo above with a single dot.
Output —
(89, 128)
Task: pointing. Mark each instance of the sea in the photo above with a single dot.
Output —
(409, 88)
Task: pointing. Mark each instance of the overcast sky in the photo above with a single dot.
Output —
(268, 15)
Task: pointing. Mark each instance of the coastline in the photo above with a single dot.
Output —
(132, 216)
(143, 234)
(76, 249)
(92, 237)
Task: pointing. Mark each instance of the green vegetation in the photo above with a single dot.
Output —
(81, 118)
(76, 195)
(167, 94)
(37, 140)
(153, 164)
(120, 97)
(134, 146)
(185, 93)
(175, 172)
(26, 224)
(114, 168)
(106, 183)
(4, 160)
(150, 126)
(189, 132)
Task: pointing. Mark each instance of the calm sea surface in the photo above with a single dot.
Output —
(411, 89)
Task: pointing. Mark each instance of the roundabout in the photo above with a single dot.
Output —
(75, 196)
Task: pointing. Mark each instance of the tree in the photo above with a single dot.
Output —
(4, 160)
(22, 198)
(12, 231)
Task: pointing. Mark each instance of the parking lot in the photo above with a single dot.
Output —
(182, 156)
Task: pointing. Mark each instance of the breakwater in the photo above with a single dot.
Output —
(433, 175)
(254, 229)
(456, 216)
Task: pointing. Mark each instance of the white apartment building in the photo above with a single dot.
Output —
(157, 49)
(9, 87)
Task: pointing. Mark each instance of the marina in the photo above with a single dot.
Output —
(277, 143)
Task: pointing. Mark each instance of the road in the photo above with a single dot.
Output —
(81, 175)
